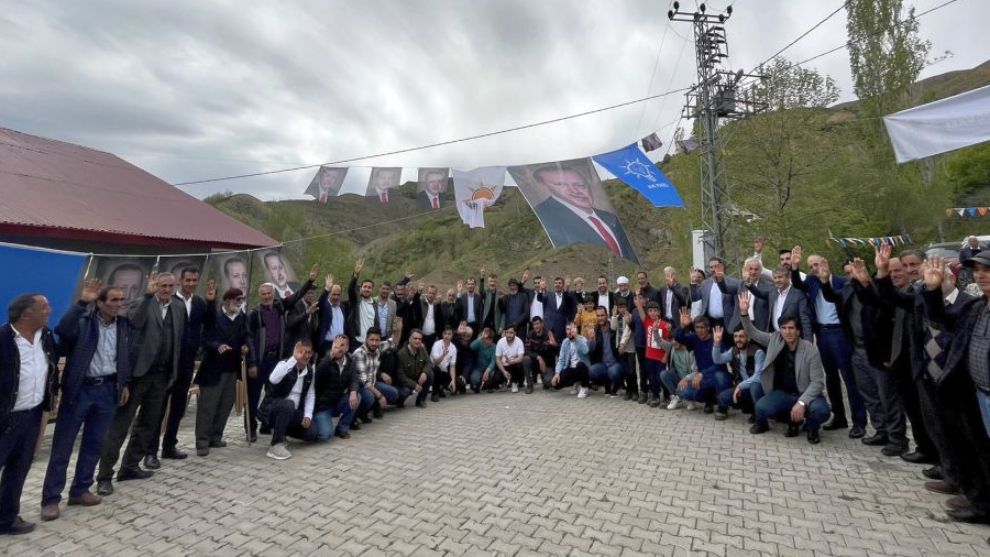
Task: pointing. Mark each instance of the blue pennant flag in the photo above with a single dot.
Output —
(633, 167)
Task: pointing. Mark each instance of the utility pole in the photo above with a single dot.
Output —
(712, 99)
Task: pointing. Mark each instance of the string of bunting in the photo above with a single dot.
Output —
(967, 212)
(902, 240)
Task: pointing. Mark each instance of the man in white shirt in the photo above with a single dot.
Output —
(27, 380)
(511, 361)
(535, 299)
(292, 398)
(444, 358)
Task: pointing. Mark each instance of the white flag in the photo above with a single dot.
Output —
(476, 190)
(940, 126)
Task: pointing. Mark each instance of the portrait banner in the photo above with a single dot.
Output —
(634, 168)
(326, 183)
(231, 270)
(570, 202)
(477, 190)
(129, 273)
(276, 270)
(381, 181)
(432, 188)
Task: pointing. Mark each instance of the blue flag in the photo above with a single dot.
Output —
(633, 167)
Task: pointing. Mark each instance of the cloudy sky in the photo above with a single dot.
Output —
(192, 90)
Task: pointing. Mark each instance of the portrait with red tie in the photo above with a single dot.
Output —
(432, 188)
(326, 183)
(279, 273)
(570, 201)
(384, 179)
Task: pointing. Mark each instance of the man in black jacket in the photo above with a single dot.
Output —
(362, 311)
(338, 393)
(225, 340)
(266, 325)
(96, 343)
(289, 403)
(24, 339)
(413, 369)
(178, 394)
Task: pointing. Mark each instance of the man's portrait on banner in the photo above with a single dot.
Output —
(432, 188)
(382, 180)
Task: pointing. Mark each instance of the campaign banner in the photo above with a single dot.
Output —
(326, 183)
(53, 274)
(634, 168)
(477, 190)
(432, 188)
(570, 202)
(381, 181)
(276, 270)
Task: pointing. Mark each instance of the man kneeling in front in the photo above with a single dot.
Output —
(792, 377)
(290, 401)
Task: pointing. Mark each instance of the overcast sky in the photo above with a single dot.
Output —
(191, 89)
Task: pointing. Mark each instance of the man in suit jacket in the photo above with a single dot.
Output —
(569, 215)
(785, 301)
(27, 351)
(759, 308)
(470, 306)
(333, 316)
(448, 311)
(178, 394)
(96, 343)
(158, 324)
(964, 377)
(602, 297)
(672, 297)
(303, 320)
(717, 295)
(362, 313)
(558, 306)
(431, 316)
(832, 342)
(386, 309)
(792, 377)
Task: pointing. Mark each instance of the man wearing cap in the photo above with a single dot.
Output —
(225, 343)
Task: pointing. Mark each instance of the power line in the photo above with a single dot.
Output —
(656, 65)
(805, 34)
(438, 144)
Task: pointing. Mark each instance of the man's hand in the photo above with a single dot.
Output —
(314, 272)
(152, 283)
(736, 393)
(353, 400)
(934, 272)
(525, 276)
(386, 378)
(422, 379)
(409, 274)
(859, 272)
(253, 372)
(419, 287)
(555, 380)
(328, 282)
(482, 273)
(795, 257)
(223, 348)
(682, 384)
(460, 287)
(211, 290)
(882, 259)
(685, 318)
(669, 277)
(758, 244)
(125, 395)
(306, 422)
(91, 291)
(359, 265)
(717, 334)
(313, 309)
(797, 413)
(696, 382)
(567, 282)
(744, 302)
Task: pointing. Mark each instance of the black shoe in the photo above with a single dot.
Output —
(917, 457)
(970, 515)
(265, 430)
(104, 488)
(356, 426)
(709, 408)
(529, 388)
(835, 424)
(933, 473)
(151, 462)
(173, 454)
(401, 403)
(378, 413)
(18, 527)
(751, 419)
(202, 451)
(366, 420)
(218, 444)
(813, 437)
(254, 436)
(792, 430)
(876, 440)
(894, 449)
(421, 404)
(857, 432)
(653, 401)
(721, 415)
(435, 397)
(758, 428)
(628, 395)
(133, 474)
(443, 394)
(342, 434)
(642, 398)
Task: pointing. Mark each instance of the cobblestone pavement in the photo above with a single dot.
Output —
(516, 474)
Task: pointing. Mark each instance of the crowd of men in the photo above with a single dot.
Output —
(776, 344)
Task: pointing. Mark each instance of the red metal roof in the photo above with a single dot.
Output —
(52, 187)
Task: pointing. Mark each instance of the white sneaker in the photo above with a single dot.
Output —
(690, 405)
(574, 389)
(279, 452)
(675, 403)
(582, 392)
(515, 388)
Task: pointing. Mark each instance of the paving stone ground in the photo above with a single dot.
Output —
(516, 474)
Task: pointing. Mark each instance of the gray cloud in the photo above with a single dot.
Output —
(189, 90)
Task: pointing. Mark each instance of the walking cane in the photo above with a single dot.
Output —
(247, 403)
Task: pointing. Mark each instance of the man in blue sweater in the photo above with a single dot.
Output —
(696, 335)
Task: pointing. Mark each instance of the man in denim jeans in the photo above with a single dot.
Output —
(338, 393)
(745, 361)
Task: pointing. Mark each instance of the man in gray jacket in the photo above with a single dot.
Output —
(157, 325)
(792, 377)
